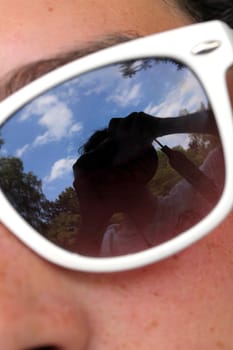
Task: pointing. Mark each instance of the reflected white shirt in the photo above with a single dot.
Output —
(172, 216)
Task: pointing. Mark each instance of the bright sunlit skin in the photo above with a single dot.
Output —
(184, 302)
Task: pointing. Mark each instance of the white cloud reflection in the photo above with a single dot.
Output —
(20, 151)
(186, 95)
(126, 94)
(54, 116)
(60, 168)
(57, 121)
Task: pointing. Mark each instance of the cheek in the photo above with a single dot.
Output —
(36, 302)
(185, 300)
(30, 285)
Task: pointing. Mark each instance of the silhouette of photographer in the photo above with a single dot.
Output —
(112, 177)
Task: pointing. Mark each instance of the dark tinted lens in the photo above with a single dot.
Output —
(115, 161)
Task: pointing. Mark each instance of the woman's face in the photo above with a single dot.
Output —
(182, 302)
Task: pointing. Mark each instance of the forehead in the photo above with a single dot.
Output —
(32, 30)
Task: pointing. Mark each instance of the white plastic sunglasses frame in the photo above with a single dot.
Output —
(206, 48)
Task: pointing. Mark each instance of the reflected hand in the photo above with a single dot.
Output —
(132, 135)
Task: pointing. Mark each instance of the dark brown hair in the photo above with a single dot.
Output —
(205, 10)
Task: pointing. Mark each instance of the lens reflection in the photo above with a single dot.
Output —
(115, 161)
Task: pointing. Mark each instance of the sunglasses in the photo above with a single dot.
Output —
(124, 157)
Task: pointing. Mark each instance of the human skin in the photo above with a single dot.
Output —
(184, 302)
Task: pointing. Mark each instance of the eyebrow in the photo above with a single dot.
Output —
(25, 74)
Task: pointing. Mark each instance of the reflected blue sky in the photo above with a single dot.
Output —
(47, 133)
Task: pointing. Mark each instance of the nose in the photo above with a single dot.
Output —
(39, 309)
(33, 332)
(24, 334)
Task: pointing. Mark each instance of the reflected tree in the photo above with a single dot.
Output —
(65, 218)
(24, 191)
(1, 142)
(57, 220)
(165, 178)
(129, 68)
(200, 145)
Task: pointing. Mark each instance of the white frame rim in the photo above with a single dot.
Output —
(185, 39)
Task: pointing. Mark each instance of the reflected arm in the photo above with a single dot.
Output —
(199, 122)
(129, 136)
